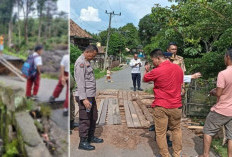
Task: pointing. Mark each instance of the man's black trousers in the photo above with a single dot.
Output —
(136, 77)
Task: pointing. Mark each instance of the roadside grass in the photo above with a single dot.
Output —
(49, 76)
(116, 69)
(100, 73)
(20, 55)
(149, 91)
(218, 148)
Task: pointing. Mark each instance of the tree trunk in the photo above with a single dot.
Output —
(26, 30)
(206, 46)
(19, 30)
(39, 32)
(120, 58)
(26, 22)
(10, 33)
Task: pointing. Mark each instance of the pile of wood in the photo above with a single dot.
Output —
(118, 107)
(12, 68)
(198, 129)
(194, 126)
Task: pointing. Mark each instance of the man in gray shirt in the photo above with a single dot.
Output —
(85, 96)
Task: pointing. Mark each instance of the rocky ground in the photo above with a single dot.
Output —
(51, 61)
(58, 123)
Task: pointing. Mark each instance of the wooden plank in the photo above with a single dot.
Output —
(11, 65)
(102, 120)
(134, 115)
(125, 97)
(129, 121)
(108, 92)
(117, 117)
(142, 119)
(113, 112)
(120, 102)
(100, 110)
(12, 70)
(120, 94)
(110, 119)
(146, 112)
(147, 97)
(129, 96)
(106, 96)
(195, 127)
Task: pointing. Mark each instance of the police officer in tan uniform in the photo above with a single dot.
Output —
(85, 96)
(172, 48)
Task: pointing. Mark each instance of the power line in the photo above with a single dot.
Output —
(109, 5)
(98, 6)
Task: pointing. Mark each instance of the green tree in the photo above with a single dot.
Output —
(130, 33)
(147, 29)
(116, 44)
(74, 54)
(199, 23)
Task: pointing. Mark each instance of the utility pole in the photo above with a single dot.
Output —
(108, 36)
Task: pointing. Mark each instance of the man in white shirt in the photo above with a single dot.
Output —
(64, 77)
(135, 64)
(36, 79)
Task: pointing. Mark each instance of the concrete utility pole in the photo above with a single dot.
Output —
(108, 36)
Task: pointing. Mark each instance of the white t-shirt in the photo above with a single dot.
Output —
(65, 62)
(135, 69)
(37, 60)
(108, 73)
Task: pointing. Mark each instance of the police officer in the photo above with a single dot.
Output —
(86, 92)
(172, 48)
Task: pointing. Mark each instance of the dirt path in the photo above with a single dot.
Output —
(45, 91)
(123, 142)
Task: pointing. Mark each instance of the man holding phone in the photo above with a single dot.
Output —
(135, 64)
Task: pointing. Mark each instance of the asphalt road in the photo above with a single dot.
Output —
(46, 89)
(121, 80)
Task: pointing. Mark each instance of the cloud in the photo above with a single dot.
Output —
(90, 14)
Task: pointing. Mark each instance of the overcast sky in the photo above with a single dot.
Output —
(90, 14)
(62, 5)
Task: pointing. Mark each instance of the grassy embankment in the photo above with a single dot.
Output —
(99, 74)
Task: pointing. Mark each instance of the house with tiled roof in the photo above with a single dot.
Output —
(78, 36)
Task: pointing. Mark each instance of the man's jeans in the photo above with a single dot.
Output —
(168, 117)
(136, 77)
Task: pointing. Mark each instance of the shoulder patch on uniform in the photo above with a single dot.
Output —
(180, 57)
(82, 65)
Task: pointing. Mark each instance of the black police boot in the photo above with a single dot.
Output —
(140, 89)
(152, 128)
(168, 141)
(85, 145)
(94, 139)
(134, 89)
(73, 125)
